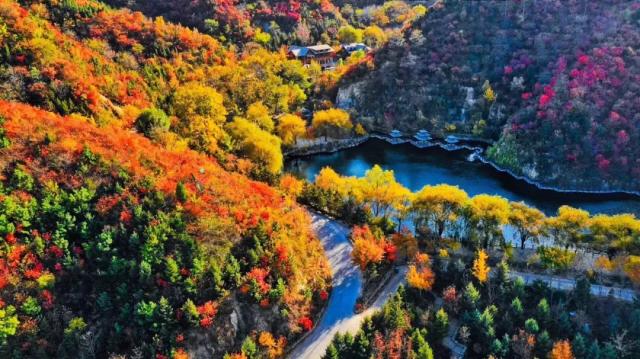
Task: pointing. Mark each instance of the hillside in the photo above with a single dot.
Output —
(129, 221)
(146, 234)
(553, 83)
(275, 23)
(144, 212)
(177, 86)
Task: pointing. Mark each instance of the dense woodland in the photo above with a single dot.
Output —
(88, 212)
(554, 84)
(274, 23)
(495, 318)
(144, 212)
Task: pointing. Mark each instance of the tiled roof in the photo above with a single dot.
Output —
(310, 51)
(320, 48)
(298, 51)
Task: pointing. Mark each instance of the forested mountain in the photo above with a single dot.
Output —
(127, 230)
(275, 22)
(553, 83)
(144, 212)
(132, 220)
(140, 245)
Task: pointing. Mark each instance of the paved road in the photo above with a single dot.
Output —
(339, 316)
(568, 284)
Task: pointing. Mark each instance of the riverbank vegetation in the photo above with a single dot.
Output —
(610, 244)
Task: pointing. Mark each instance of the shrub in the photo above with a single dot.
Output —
(556, 258)
(151, 121)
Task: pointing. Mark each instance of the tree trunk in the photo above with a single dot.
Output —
(440, 225)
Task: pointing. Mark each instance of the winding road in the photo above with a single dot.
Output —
(339, 316)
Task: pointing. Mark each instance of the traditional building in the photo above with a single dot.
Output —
(322, 54)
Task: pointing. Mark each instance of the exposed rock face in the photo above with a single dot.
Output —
(349, 97)
(321, 145)
(470, 99)
(234, 321)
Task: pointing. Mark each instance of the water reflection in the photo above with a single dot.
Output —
(416, 167)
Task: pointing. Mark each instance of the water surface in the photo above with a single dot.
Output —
(415, 168)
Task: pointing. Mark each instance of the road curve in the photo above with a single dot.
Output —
(339, 316)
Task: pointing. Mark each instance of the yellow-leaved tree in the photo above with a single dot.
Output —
(481, 268)
(382, 192)
(487, 215)
(201, 114)
(527, 220)
(258, 145)
(614, 234)
(259, 114)
(349, 34)
(489, 94)
(568, 226)
(331, 123)
(262, 76)
(439, 206)
(373, 36)
(290, 128)
(328, 179)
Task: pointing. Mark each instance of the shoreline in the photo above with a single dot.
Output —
(327, 146)
(477, 152)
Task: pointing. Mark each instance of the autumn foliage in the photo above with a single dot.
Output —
(369, 248)
(561, 350)
(420, 275)
(481, 268)
(220, 209)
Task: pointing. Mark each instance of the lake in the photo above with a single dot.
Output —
(415, 167)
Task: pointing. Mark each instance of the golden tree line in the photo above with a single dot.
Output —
(447, 211)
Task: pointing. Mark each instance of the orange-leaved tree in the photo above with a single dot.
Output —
(420, 275)
(561, 350)
(367, 249)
